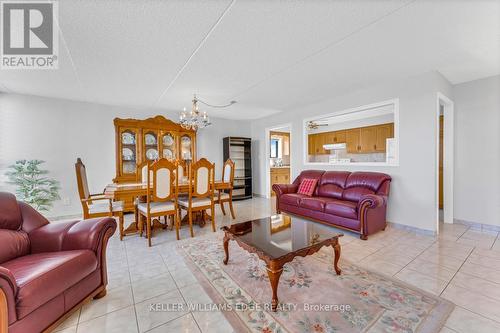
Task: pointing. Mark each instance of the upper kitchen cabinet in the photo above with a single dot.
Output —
(353, 137)
(364, 134)
(384, 132)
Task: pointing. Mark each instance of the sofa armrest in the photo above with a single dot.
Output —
(71, 235)
(8, 287)
(87, 234)
(281, 189)
(371, 201)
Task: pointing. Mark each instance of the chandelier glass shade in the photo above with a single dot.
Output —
(194, 119)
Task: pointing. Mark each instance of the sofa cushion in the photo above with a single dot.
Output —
(332, 184)
(292, 198)
(13, 244)
(342, 208)
(42, 276)
(313, 203)
(361, 183)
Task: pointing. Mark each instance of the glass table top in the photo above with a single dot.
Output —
(281, 234)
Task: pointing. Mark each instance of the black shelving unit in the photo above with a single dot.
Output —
(239, 150)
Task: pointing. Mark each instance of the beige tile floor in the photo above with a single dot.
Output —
(462, 265)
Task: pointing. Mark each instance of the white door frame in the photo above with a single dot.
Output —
(267, 167)
(448, 158)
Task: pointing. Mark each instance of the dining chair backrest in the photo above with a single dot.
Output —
(181, 170)
(202, 179)
(164, 185)
(81, 179)
(228, 172)
(142, 172)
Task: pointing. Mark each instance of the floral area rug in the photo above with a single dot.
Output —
(312, 297)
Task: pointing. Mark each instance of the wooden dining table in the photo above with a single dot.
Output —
(127, 192)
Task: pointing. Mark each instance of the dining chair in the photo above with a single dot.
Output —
(181, 170)
(225, 190)
(96, 205)
(161, 196)
(201, 188)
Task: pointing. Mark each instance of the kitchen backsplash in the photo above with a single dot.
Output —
(285, 160)
(373, 157)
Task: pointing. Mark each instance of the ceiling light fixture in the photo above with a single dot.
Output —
(195, 119)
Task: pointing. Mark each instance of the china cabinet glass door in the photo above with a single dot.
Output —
(186, 147)
(151, 146)
(169, 149)
(128, 152)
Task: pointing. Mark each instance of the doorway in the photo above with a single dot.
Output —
(445, 160)
(278, 157)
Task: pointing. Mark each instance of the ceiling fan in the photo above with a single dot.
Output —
(314, 125)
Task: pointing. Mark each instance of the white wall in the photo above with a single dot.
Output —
(413, 190)
(477, 151)
(58, 131)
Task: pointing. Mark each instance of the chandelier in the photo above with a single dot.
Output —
(195, 119)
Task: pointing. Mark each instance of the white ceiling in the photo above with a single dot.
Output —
(270, 56)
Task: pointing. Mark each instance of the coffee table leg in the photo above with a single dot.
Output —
(336, 249)
(274, 272)
(226, 248)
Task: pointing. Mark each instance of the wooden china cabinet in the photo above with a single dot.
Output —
(138, 141)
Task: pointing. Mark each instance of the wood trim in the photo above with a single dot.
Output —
(4, 313)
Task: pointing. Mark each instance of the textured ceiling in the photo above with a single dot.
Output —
(270, 56)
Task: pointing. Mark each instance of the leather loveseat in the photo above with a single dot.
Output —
(354, 201)
(47, 270)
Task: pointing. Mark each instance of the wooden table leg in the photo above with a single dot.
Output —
(336, 249)
(226, 248)
(274, 271)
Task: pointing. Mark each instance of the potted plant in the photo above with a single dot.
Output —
(32, 186)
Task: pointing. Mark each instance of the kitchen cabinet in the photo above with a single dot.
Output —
(367, 139)
(352, 139)
(279, 176)
(383, 132)
(361, 140)
(317, 140)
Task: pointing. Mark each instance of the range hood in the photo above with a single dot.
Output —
(335, 146)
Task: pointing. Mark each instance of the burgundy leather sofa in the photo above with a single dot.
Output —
(354, 201)
(47, 270)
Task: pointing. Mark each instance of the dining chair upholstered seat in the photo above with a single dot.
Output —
(156, 207)
(196, 202)
(103, 207)
(224, 196)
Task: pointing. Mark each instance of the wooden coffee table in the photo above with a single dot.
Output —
(279, 239)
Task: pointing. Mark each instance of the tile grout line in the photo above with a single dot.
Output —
(494, 242)
(418, 255)
(463, 233)
(480, 315)
(458, 270)
(132, 289)
(180, 292)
